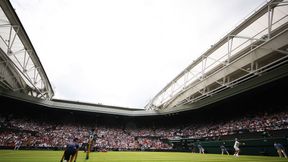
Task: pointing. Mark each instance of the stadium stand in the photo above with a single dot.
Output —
(259, 121)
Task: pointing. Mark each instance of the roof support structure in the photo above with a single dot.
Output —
(222, 56)
(19, 59)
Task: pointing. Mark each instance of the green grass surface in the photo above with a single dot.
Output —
(54, 156)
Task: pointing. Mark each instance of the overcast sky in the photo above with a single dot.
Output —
(123, 52)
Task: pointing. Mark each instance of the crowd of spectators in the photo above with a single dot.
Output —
(39, 133)
(257, 123)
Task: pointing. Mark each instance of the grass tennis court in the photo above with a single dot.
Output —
(54, 156)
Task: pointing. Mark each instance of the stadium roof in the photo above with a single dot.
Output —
(122, 52)
(253, 54)
(198, 80)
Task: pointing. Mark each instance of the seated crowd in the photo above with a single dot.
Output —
(35, 133)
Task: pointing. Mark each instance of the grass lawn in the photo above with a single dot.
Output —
(54, 156)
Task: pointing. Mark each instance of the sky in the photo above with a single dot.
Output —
(123, 52)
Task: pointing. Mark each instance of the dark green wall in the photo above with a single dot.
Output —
(260, 146)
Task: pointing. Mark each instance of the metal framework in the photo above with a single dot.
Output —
(256, 45)
(20, 68)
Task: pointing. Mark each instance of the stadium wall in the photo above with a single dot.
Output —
(260, 146)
